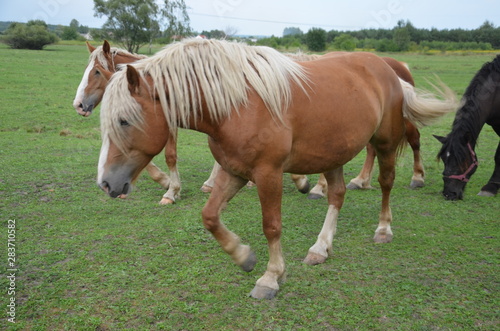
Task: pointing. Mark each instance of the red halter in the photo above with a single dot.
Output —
(463, 177)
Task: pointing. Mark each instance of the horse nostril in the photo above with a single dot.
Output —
(105, 187)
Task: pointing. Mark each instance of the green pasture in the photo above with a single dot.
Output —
(88, 262)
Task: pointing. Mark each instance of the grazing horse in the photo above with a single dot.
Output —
(103, 62)
(480, 105)
(264, 114)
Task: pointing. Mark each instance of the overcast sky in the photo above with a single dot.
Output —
(266, 17)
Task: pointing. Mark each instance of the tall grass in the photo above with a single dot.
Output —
(87, 262)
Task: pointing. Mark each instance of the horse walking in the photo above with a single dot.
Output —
(264, 114)
(480, 105)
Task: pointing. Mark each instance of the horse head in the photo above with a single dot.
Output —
(133, 132)
(460, 163)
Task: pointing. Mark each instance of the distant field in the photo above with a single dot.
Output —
(87, 262)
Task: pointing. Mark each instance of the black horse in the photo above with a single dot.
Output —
(480, 105)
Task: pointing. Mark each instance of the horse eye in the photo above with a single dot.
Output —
(124, 123)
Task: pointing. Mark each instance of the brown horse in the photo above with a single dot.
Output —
(363, 180)
(103, 62)
(264, 114)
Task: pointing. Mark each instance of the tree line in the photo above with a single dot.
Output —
(403, 37)
(135, 23)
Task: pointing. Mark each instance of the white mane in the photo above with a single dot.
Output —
(220, 71)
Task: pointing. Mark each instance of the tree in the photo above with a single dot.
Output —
(134, 23)
(292, 31)
(345, 42)
(316, 39)
(33, 35)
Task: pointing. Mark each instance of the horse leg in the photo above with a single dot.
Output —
(387, 161)
(319, 191)
(157, 175)
(175, 181)
(301, 182)
(270, 190)
(209, 183)
(413, 138)
(336, 190)
(226, 186)
(493, 185)
(363, 180)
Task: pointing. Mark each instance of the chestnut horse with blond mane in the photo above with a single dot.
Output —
(264, 114)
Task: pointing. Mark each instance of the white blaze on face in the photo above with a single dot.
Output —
(81, 89)
(103, 156)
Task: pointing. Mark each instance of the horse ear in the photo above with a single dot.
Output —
(106, 47)
(440, 138)
(133, 79)
(90, 47)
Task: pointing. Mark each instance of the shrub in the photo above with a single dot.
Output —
(33, 35)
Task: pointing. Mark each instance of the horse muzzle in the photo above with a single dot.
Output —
(117, 190)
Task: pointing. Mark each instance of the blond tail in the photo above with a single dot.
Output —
(422, 107)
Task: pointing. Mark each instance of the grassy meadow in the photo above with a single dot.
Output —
(88, 262)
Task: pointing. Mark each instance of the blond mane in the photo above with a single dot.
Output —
(99, 56)
(218, 73)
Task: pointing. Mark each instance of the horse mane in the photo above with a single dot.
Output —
(466, 124)
(213, 72)
(99, 56)
(302, 57)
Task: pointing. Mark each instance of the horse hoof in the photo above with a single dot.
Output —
(314, 258)
(250, 262)
(263, 292)
(416, 184)
(206, 189)
(353, 186)
(166, 201)
(382, 238)
(486, 194)
(306, 188)
(314, 196)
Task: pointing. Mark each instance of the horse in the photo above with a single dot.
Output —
(363, 180)
(103, 62)
(480, 104)
(264, 114)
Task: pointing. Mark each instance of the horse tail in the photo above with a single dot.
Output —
(423, 108)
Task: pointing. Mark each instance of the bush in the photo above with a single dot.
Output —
(33, 35)
(316, 40)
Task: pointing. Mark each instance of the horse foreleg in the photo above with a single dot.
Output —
(209, 183)
(301, 182)
(336, 191)
(493, 185)
(363, 180)
(270, 189)
(157, 175)
(320, 189)
(174, 189)
(387, 161)
(225, 188)
(413, 138)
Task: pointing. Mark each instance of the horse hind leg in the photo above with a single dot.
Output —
(301, 183)
(413, 138)
(319, 252)
(363, 180)
(387, 161)
(493, 185)
(320, 189)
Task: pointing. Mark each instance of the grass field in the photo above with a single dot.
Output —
(88, 262)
